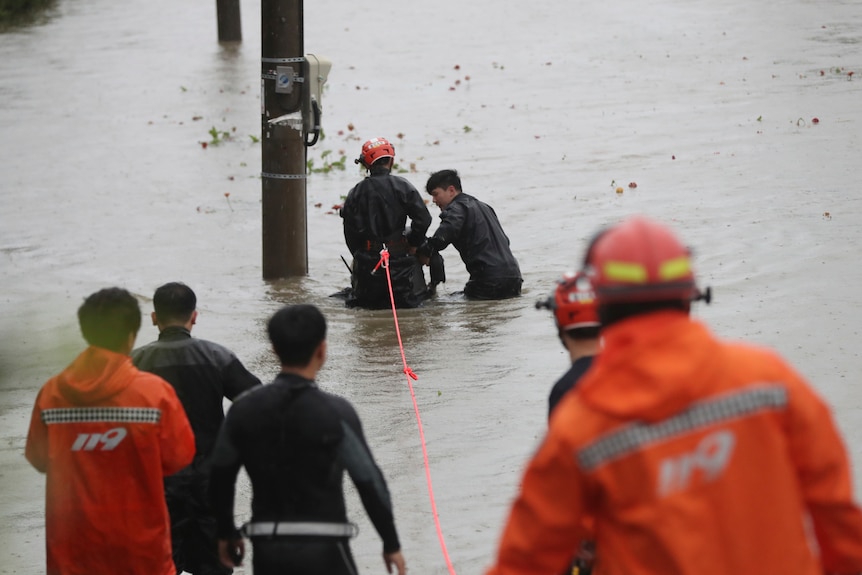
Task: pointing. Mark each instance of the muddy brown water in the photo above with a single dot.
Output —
(545, 109)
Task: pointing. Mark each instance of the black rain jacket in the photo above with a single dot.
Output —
(376, 211)
(203, 373)
(473, 228)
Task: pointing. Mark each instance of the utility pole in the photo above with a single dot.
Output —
(285, 226)
(229, 22)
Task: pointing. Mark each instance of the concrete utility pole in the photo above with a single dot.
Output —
(229, 23)
(285, 231)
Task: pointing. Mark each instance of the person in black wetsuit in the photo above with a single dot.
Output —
(203, 374)
(375, 215)
(295, 442)
(473, 228)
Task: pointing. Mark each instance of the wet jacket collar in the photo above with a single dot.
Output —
(174, 333)
(379, 171)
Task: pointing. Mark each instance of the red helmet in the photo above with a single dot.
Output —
(373, 150)
(640, 260)
(574, 303)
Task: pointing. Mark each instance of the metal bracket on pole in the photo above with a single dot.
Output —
(283, 176)
(282, 60)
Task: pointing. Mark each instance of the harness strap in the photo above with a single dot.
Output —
(270, 528)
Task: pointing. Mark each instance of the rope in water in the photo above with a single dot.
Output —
(384, 261)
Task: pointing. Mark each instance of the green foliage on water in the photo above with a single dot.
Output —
(17, 13)
(218, 136)
(328, 163)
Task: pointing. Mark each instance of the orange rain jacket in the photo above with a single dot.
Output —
(106, 434)
(694, 457)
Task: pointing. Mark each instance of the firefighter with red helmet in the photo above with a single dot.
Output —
(691, 455)
(375, 215)
(574, 305)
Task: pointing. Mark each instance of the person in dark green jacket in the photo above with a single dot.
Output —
(203, 374)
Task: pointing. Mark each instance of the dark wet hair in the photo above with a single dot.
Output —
(108, 316)
(614, 312)
(295, 332)
(174, 301)
(443, 179)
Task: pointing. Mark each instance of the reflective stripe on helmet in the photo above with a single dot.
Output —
(675, 268)
(625, 272)
(637, 273)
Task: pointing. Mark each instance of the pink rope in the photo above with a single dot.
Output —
(384, 260)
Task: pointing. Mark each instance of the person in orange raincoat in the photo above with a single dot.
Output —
(691, 455)
(106, 434)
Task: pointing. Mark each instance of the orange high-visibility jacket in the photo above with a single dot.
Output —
(694, 457)
(106, 434)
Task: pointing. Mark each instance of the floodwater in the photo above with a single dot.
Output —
(545, 109)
